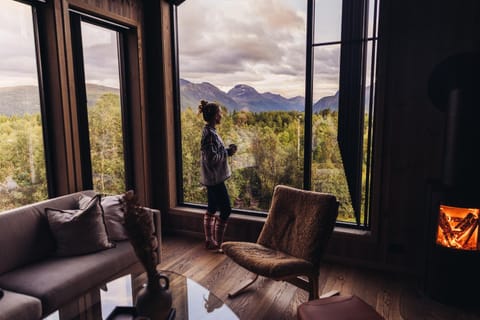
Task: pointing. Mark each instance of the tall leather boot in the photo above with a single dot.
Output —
(208, 229)
(219, 232)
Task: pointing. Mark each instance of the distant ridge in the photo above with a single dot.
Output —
(328, 102)
(20, 100)
(247, 98)
(95, 91)
(192, 93)
(251, 100)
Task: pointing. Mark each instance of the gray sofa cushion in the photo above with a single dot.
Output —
(26, 235)
(113, 212)
(57, 281)
(79, 231)
(19, 307)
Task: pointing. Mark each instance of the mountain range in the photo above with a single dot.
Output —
(247, 98)
(25, 99)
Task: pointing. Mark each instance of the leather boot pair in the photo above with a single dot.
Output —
(214, 229)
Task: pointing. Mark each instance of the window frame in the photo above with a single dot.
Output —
(49, 176)
(76, 18)
(352, 152)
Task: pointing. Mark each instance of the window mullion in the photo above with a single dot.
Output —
(81, 101)
(307, 163)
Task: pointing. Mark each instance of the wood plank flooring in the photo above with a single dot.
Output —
(393, 296)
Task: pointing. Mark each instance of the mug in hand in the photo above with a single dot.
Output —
(232, 147)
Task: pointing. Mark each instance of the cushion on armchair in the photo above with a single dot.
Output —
(265, 261)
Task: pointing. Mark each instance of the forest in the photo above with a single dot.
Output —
(270, 152)
(22, 158)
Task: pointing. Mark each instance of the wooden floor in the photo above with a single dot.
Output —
(393, 296)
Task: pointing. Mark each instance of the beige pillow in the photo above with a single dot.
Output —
(79, 231)
(113, 214)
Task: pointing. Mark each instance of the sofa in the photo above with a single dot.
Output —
(37, 278)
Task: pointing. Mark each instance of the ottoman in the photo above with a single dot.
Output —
(338, 308)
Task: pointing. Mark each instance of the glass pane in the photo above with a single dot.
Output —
(249, 56)
(328, 174)
(328, 21)
(369, 98)
(22, 158)
(372, 18)
(326, 74)
(102, 77)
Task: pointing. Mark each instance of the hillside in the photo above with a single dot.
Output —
(20, 100)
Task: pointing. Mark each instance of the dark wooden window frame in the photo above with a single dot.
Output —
(76, 17)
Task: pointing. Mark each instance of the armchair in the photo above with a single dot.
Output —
(292, 241)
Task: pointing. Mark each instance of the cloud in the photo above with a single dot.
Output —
(326, 70)
(17, 56)
(248, 41)
(100, 55)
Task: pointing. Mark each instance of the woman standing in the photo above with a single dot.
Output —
(214, 170)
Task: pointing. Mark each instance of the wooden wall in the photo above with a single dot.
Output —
(60, 87)
(417, 36)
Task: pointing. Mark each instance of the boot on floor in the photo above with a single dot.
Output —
(208, 229)
(219, 232)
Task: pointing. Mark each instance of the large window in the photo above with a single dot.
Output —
(99, 78)
(295, 79)
(22, 155)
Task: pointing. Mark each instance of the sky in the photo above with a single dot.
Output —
(258, 43)
(17, 51)
(224, 42)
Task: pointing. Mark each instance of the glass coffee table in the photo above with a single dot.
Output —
(190, 300)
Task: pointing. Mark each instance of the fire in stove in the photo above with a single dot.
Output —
(458, 227)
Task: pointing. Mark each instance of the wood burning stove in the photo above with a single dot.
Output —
(453, 251)
(453, 247)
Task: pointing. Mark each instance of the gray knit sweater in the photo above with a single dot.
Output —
(214, 167)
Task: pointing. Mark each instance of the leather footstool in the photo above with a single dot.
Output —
(337, 308)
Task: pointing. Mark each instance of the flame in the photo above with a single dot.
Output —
(458, 227)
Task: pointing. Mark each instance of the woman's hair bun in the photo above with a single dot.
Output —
(203, 104)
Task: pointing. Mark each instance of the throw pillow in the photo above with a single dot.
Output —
(79, 231)
(113, 214)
